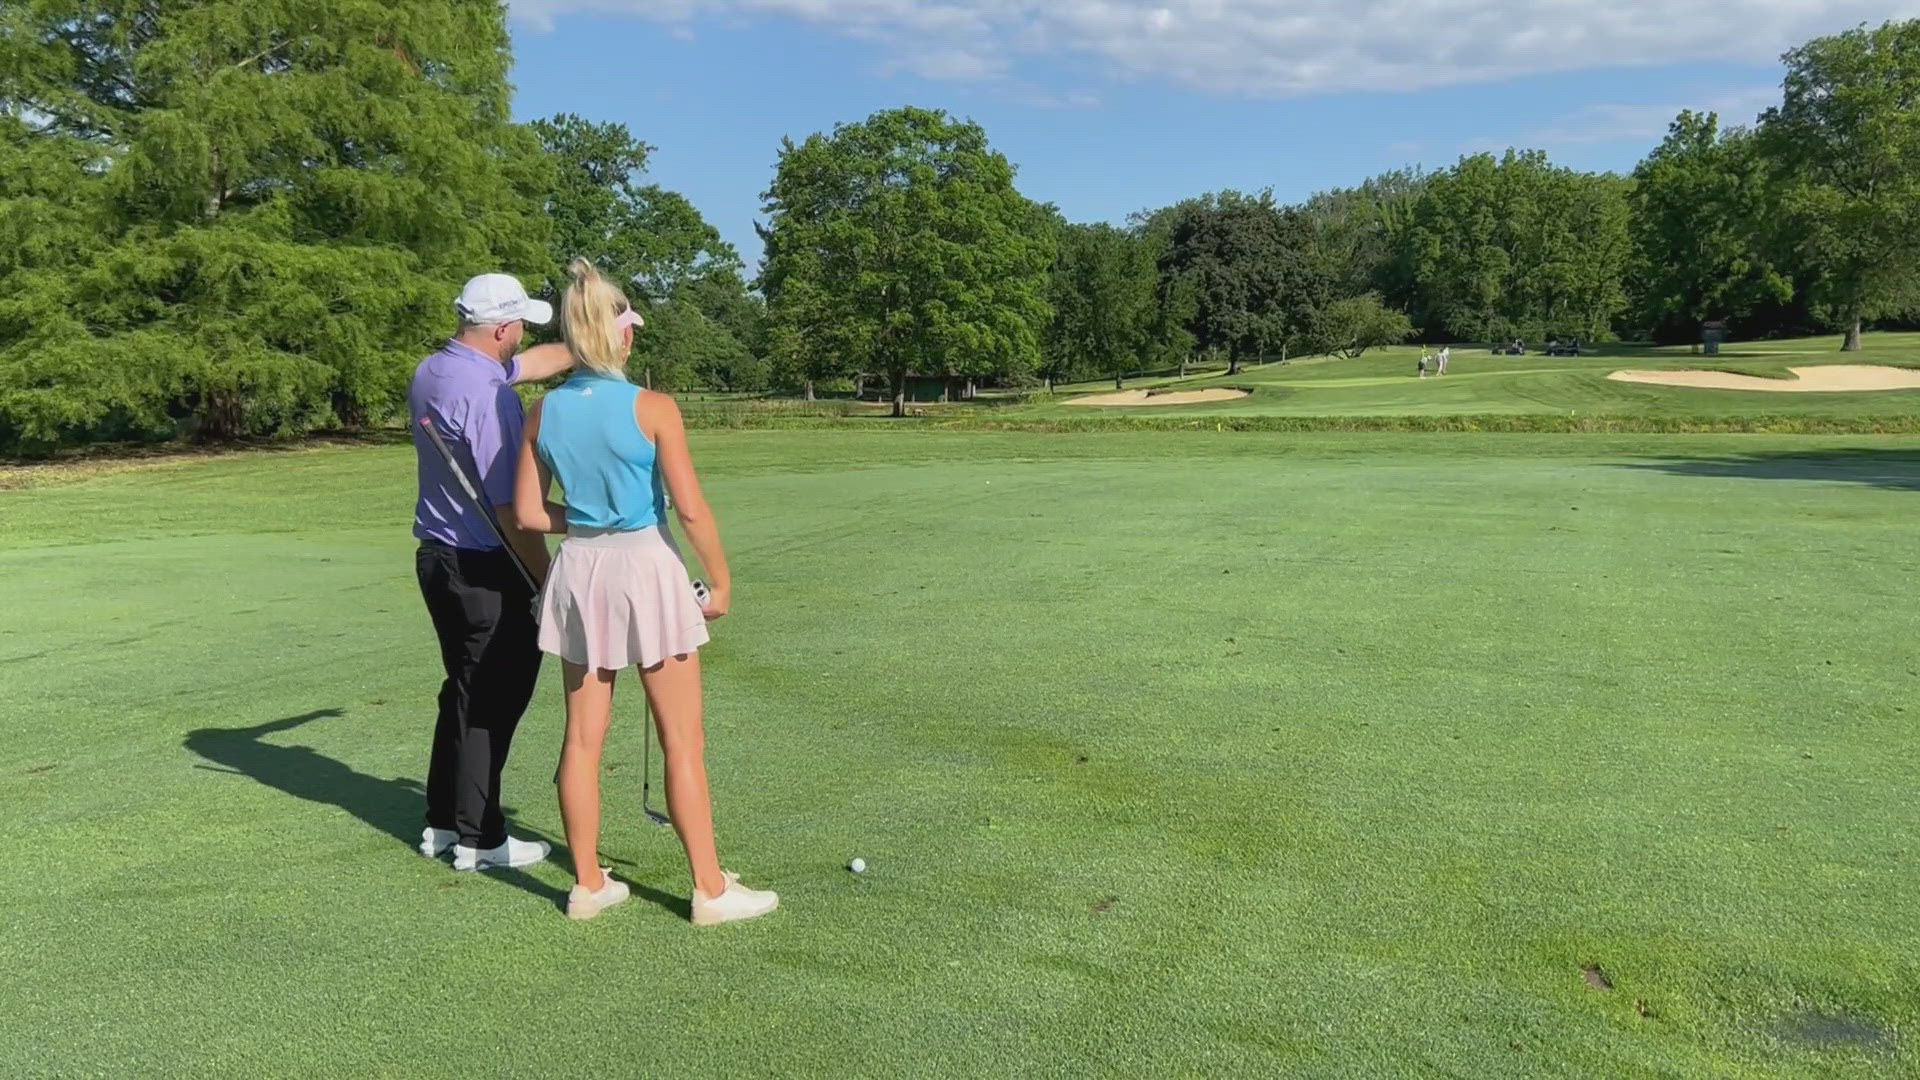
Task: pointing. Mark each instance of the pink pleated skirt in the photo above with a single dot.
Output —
(619, 599)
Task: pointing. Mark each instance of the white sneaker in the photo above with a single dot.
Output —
(513, 853)
(582, 904)
(737, 903)
(435, 842)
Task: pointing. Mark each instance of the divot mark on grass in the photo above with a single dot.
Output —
(1106, 905)
(1596, 979)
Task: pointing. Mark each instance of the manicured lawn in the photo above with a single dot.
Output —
(1170, 754)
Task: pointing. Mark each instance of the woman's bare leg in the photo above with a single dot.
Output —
(589, 711)
(673, 688)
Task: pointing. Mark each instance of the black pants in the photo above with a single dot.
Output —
(483, 613)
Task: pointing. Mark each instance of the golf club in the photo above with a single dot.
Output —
(703, 594)
(646, 765)
(486, 512)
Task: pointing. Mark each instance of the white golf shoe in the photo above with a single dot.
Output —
(582, 904)
(513, 853)
(733, 905)
(435, 842)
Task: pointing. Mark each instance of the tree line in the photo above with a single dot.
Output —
(239, 217)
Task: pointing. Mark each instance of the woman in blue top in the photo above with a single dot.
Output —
(618, 594)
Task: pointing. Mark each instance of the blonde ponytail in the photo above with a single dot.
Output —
(589, 314)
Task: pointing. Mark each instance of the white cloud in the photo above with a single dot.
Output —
(954, 65)
(1278, 47)
(1041, 99)
(1648, 123)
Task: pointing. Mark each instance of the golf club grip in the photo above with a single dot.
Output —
(473, 495)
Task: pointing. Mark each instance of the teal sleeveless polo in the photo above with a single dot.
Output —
(591, 439)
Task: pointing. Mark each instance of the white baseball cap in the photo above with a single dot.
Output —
(500, 298)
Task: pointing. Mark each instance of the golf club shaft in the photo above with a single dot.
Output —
(646, 765)
(473, 496)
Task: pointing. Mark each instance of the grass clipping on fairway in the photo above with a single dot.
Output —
(1165, 397)
(1825, 378)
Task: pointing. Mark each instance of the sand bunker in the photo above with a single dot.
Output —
(1826, 378)
(1172, 397)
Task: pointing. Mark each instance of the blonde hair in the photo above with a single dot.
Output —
(587, 319)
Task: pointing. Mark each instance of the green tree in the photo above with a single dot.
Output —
(1846, 138)
(281, 198)
(1248, 263)
(1515, 246)
(1356, 324)
(592, 206)
(1360, 235)
(1104, 300)
(648, 238)
(806, 338)
(900, 244)
(1701, 207)
(1176, 299)
(52, 220)
(682, 347)
(725, 299)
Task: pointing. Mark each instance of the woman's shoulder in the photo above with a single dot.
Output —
(655, 403)
(656, 413)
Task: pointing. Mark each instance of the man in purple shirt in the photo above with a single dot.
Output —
(481, 608)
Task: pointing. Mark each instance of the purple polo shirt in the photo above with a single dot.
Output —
(469, 396)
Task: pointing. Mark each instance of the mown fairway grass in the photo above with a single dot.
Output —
(1383, 383)
(1171, 754)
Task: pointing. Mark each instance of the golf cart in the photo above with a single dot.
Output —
(1563, 347)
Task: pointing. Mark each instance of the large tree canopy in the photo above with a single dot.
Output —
(642, 235)
(1103, 296)
(1701, 211)
(1846, 140)
(1515, 246)
(269, 206)
(1248, 266)
(900, 245)
(702, 325)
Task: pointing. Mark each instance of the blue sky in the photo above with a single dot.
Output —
(1111, 106)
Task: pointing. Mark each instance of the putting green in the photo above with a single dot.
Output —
(1168, 753)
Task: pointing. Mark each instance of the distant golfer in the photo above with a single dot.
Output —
(480, 606)
(1446, 354)
(619, 596)
(1422, 367)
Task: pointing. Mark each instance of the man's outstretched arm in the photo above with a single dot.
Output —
(542, 362)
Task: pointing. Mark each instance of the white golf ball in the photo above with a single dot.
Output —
(858, 866)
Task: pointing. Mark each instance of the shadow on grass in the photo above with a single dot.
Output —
(1895, 470)
(391, 806)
